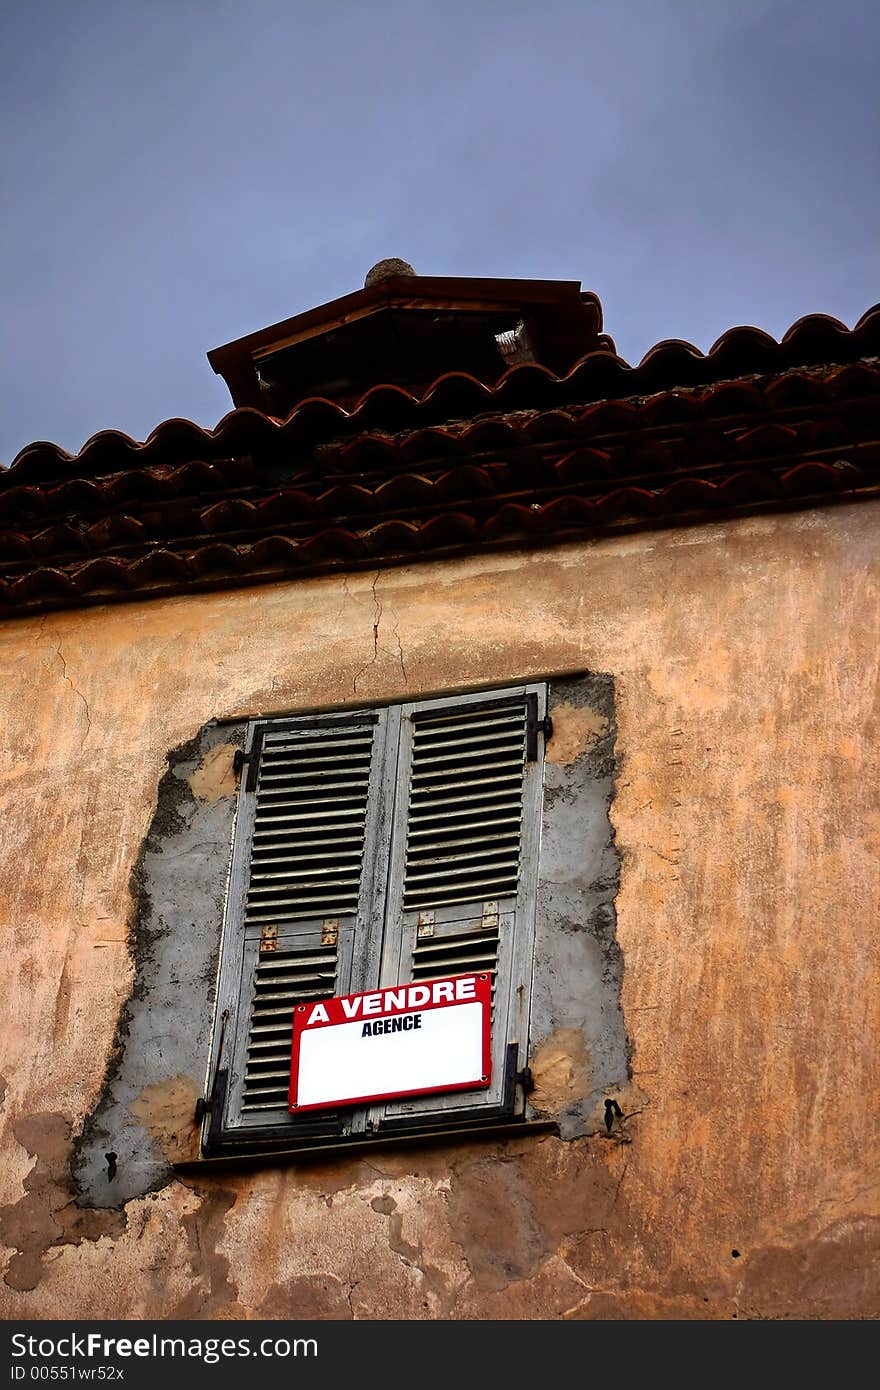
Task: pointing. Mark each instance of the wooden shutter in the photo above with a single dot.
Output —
(304, 916)
(463, 867)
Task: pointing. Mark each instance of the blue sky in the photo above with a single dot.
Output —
(175, 173)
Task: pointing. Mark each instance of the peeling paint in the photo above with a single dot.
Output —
(575, 731)
(145, 1111)
(307, 1298)
(46, 1215)
(492, 1217)
(826, 1275)
(214, 777)
(212, 1292)
(166, 1108)
(579, 1041)
(561, 1070)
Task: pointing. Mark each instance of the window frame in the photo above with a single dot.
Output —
(375, 940)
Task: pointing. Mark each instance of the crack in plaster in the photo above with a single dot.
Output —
(620, 1183)
(41, 636)
(376, 621)
(396, 632)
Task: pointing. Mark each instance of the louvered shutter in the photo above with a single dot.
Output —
(463, 870)
(304, 918)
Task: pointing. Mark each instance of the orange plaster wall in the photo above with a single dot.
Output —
(747, 812)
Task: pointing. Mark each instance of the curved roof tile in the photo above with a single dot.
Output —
(609, 445)
(814, 338)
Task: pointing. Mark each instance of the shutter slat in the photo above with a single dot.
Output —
(467, 806)
(303, 959)
(298, 788)
(456, 765)
(513, 821)
(282, 875)
(463, 717)
(293, 798)
(300, 781)
(482, 734)
(422, 855)
(283, 979)
(431, 948)
(311, 861)
(333, 814)
(311, 800)
(266, 856)
(457, 897)
(279, 884)
(325, 741)
(495, 786)
(317, 907)
(497, 866)
(481, 751)
(466, 781)
(312, 977)
(456, 955)
(308, 759)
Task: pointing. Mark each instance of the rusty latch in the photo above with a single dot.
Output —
(426, 923)
(268, 940)
(330, 931)
(490, 916)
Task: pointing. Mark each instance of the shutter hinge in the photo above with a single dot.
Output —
(526, 1080)
(534, 726)
(212, 1104)
(251, 760)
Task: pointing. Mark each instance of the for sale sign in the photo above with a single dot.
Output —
(409, 1040)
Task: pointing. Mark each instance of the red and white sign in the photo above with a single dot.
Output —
(407, 1040)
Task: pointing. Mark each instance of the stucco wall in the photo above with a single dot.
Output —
(745, 660)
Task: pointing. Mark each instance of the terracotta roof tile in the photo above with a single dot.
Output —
(683, 434)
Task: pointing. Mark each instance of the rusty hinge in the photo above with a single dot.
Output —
(212, 1104)
(213, 1107)
(526, 1080)
(490, 916)
(426, 924)
(330, 931)
(250, 760)
(534, 726)
(268, 940)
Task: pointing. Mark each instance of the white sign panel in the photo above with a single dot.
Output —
(407, 1040)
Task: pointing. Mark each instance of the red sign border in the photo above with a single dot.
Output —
(483, 981)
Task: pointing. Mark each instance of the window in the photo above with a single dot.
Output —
(374, 848)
